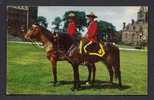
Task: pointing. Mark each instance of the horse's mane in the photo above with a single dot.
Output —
(63, 35)
(64, 40)
(46, 32)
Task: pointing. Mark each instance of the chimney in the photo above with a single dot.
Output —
(124, 25)
(133, 21)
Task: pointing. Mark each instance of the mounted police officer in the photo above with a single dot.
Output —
(72, 31)
(91, 35)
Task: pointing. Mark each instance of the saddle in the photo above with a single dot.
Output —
(96, 48)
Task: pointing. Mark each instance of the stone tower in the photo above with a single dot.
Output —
(136, 32)
(142, 14)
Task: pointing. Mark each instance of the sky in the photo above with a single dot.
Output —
(113, 14)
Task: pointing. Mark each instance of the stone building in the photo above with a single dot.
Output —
(136, 32)
(19, 16)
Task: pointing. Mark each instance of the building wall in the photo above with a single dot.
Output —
(137, 31)
(17, 17)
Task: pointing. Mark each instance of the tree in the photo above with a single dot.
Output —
(81, 20)
(57, 22)
(104, 26)
(106, 30)
(42, 21)
(118, 36)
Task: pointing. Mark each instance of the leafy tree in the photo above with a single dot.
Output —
(80, 18)
(106, 30)
(104, 26)
(57, 22)
(42, 21)
(117, 36)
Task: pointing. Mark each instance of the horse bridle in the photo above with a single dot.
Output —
(34, 43)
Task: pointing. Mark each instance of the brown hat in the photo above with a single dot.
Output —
(92, 15)
(71, 15)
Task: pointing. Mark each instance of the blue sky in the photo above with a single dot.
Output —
(114, 14)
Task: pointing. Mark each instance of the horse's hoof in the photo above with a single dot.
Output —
(50, 82)
(110, 83)
(120, 85)
(92, 85)
(79, 88)
(76, 89)
(73, 89)
(55, 84)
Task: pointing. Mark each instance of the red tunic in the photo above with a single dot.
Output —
(71, 29)
(92, 31)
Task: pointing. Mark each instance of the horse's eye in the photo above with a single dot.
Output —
(31, 29)
(36, 29)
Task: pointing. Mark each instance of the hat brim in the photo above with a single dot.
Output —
(93, 16)
(71, 17)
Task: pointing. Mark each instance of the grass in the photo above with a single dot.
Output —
(125, 46)
(130, 47)
(28, 72)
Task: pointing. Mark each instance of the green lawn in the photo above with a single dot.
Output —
(130, 47)
(125, 46)
(28, 72)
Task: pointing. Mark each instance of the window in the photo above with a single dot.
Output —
(134, 27)
(146, 17)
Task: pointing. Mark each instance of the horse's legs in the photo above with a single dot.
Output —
(89, 72)
(110, 73)
(76, 76)
(110, 70)
(118, 75)
(54, 69)
(116, 67)
(119, 78)
(94, 73)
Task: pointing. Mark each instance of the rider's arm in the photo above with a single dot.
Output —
(92, 29)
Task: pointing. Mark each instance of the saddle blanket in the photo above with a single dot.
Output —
(96, 49)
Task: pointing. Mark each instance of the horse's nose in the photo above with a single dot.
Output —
(26, 36)
(22, 30)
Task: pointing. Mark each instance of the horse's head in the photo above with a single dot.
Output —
(33, 32)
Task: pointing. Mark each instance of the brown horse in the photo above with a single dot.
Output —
(55, 52)
(53, 41)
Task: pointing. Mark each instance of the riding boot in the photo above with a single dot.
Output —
(70, 50)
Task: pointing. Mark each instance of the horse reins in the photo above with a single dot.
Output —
(34, 43)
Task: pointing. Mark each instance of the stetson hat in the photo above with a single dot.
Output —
(71, 15)
(92, 15)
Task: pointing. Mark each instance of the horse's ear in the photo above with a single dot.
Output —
(35, 23)
(55, 34)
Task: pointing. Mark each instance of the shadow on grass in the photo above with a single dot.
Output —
(105, 85)
(97, 85)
